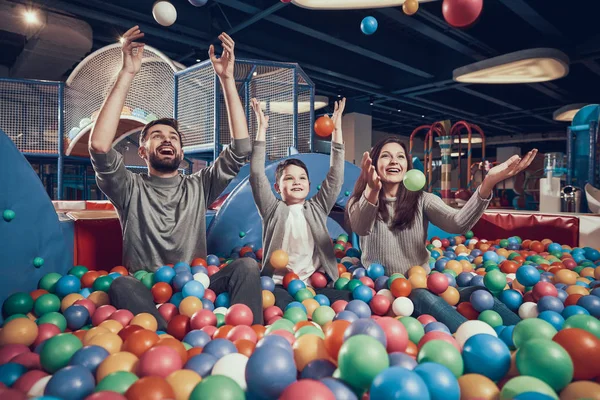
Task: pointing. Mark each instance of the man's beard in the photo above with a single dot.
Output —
(164, 165)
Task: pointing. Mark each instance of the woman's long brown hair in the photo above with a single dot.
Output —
(405, 210)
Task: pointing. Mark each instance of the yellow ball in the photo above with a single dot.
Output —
(566, 276)
(146, 321)
(190, 305)
(99, 298)
(111, 342)
(183, 383)
(346, 275)
(68, 300)
(418, 281)
(19, 331)
(417, 269)
(451, 296)
(308, 348)
(268, 299)
(90, 334)
(455, 266)
(121, 361)
(410, 7)
(279, 259)
(575, 289)
(587, 272)
(466, 266)
(311, 305)
(112, 325)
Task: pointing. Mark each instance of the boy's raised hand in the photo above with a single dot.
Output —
(261, 119)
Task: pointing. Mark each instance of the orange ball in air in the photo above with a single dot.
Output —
(324, 126)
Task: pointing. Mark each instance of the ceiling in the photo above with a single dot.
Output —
(404, 69)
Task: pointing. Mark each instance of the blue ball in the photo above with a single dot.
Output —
(180, 280)
(346, 316)
(182, 267)
(464, 279)
(477, 281)
(506, 336)
(267, 283)
(591, 304)
(499, 329)
(490, 256)
(554, 247)
(10, 372)
(85, 292)
(398, 383)
(202, 364)
(367, 327)
(196, 338)
(223, 300)
(296, 304)
(450, 255)
(403, 360)
(213, 260)
(67, 284)
(440, 381)
(362, 293)
(528, 275)
(440, 264)
(207, 304)
(592, 254)
(199, 268)
(77, 316)
(164, 274)
(360, 308)
(114, 275)
(295, 286)
(317, 370)
(71, 383)
(269, 371)
(553, 318)
(435, 254)
(511, 298)
(375, 271)
(486, 355)
(381, 283)
(569, 311)
(219, 348)
(368, 25)
(340, 390)
(353, 252)
(271, 341)
(562, 295)
(550, 303)
(482, 300)
(176, 299)
(437, 326)
(193, 288)
(359, 272)
(89, 357)
(322, 300)
(451, 279)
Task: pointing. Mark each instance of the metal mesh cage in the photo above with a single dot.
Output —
(29, 113)
(150, 96)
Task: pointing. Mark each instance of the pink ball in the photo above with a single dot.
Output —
(318, 280)
(272, 320)
(209, 294)
(9, 351)
(87, 303)
(28, 360)
(202, 318)
(122, 316)
(212, 269)
(367, 282)
(168, 311)
(12, 394)
(339, 306)
(289, 336)
(438, 335)
(239, 314)
(528, 297)
(242, 332)
(271, 312)
(300, 389)
(159, 361)
(461, 13)
(380, 304)
(542, 289)
(437, 283)
(424, 319)
(45, 331)
(569, 263)
(210, 330)
(102, 314)
(395, 333)
(27, 380)
(105, 395)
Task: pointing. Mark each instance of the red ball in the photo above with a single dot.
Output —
(239, 314)
(162, 292)
(380, 304)
(340, 305)
(202, 318)
(259, 254)
(324, 126)
(212, 269)
(542, 289)
(367, 282)
(150, 388)
(286, 1)
(271, 312)
(584, 349)
(8, 351)
(466, 310)
(198, 261)
(445, 243)
(28, 360)
(300, 389)
(528, 297)
(122, 316)
(168, 311)
(242, 332)
(569, 263)
(209, 330)
(437, 283)
(102, 314)
(424, 319)
(209, 294)
(45, 331)
(127, 331)
(159, 361)
(290, 276)
(179, 326)
(318, 280)
(395, 333)
(438, 335)
(88, 304)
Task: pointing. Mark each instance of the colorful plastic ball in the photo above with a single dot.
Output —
(223, 300)
(585, 322)
(530, 329)
(48, 281)
(58, 350)
(414, 328)
(17, 303)
(472, 328)
(270, 370)
(583, 348)
(76, 316)
(350, 360)
(360, 308)
(71, 383)
(367, 327)
(46, 303)
(486, 355)
(437, 283)
(279, 258)
(89, 357)
(66, 285)
(217, 387)
(395, 333)
(443, 353)
(121, 361)
(116, 382)
(363, 293)
(440, 382)
(398, 359)
(267, 283)
(375, 271)
(339, 389)
(398, 382)
(164, 274)
(219, 348)
(550, 303)
(414, 180)
(202, 364)
(150, 388)
(494, 280)
(528, 310)
(403, 306)
(436, 326)
(19, 331)
(318, 369)
(590, 304)
(573, 310)
(10, 372)
(528, 275)
(159, 361)
(475, 386)
(547, 361)
(233, 366)
(482, 300)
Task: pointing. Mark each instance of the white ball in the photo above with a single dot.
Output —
(234, 367)
(403, 306)
(387, 294)
(463, 254)
(437, 243)
(203, 279)
(37, 390)
(511, 276)
(220, 310)
(472, 328)
(164, 13)
(528, 310)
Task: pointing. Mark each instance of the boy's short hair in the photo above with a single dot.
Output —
(291, 161)
(161, 121)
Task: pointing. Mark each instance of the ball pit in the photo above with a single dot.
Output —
(66, 340)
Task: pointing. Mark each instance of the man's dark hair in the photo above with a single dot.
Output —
(161, 121)
(292, 161)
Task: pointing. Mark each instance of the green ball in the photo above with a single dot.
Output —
(323, 315)
(441, 352)
(341, 283)
(361, 359)
(54, 318)
(303, 294)
(117, 382)
(339, 247)
(490, 317)
(284, 324)
(547, 361)
(414, 328)
(343, 237)
(430, 247)
(140, 274)
(489, 263)
(148, 280)
(414, 180)
(17, 303)
(38, 262)
(518, 239)
(511, 256)
(578, 269)
(48, 281)
(217, 387)
(469, 234)
(494, 280)
(585, 322)
(14, 316)
(492, 267)
(46, 303)
(58, 350)
(295, 314)
(532, 328)
(8, 215)
(220, 320)
(504, 243)
(78, 271)
(525, 384)
(242, 234)
(102, 283)
(353, 284)
(309, 330)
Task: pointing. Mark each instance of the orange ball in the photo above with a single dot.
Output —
(308, 348)
(120, 270)
(189, 306)
(37, 293)
(311, 305)
(572, 299)
(588, 272)
(401, 287)
(324, 126)
(161, 292)
(478, 260)
(455, 266)
(145, 320)
(19, 331)
(451, 296)
(466, 266)
(461, 249)
(301, 324)
(150, 388)
(194, 351)
(183, 383)
(68, 300)
(97, 330)
(111, 342)
(475, 386)
(575, 289)
(416, 270)
(466, 310)
(87, 279)
(342, 268)
(121, 361)
(112, 325)
(279, 259)
(411, 349)
(268, 299)
(99, 298)
(222, 332)
(334, 337)
(346, 275)
(566, 276)
(581, 390)
(139, 341)
(417, 281)
(260, 331)
(508, 267)
(245, 347)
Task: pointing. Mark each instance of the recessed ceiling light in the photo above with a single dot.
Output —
(371, 103)
(465, 140)
(349, 4)
(287, 107)
(456, 154)
(198, 60)
(399, 110)
(422, 116)
(567, 113)
(339, 95)
(525, 66)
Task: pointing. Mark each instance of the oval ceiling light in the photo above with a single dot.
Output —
(567, 113)
(525, 66)
(287, 107)
(349, 4)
